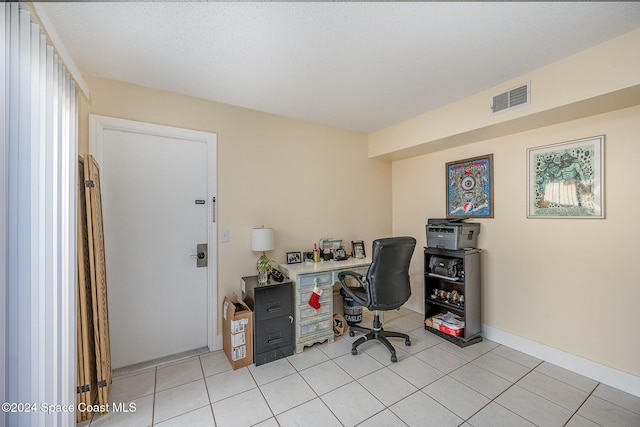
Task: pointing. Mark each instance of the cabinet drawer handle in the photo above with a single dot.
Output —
(272, 309)
(274, 341)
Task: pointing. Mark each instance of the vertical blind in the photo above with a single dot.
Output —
(38, 206)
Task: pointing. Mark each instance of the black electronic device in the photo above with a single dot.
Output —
(452, 233)
(277, 275)
(445, 266)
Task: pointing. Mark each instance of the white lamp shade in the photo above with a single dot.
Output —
(262, 239)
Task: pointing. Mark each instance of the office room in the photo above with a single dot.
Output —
(557, 294)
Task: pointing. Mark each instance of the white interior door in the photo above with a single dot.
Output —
(157, 207)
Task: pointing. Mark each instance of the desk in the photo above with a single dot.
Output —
(313, 325)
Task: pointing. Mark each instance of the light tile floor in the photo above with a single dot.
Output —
(434, 383)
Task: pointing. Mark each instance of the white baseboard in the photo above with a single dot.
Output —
(604, 374)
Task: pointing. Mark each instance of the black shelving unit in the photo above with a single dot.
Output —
(466, 283)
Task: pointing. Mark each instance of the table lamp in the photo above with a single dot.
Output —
(262, 241)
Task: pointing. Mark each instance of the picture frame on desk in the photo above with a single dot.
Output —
(340, 254)
(294, 257)
(357, 248)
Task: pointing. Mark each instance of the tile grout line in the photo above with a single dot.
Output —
(508, 388)
(454, 379)
(448, 374)
(315, 392)
(153, 401)
(468, 362)
(581, 405)
(206, 387)
(273, 415)
(210, 404)
(352, 379)
(567, 384)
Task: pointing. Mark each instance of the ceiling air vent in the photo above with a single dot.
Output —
(510, 99)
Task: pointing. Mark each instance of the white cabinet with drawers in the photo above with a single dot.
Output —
(311, 325)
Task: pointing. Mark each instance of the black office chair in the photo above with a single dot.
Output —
(385, 287)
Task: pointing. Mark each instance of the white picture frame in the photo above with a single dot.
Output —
(566, 180)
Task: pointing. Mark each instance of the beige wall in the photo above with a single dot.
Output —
(566, 283)
(307, 181)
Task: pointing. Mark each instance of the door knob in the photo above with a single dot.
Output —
(201, 254)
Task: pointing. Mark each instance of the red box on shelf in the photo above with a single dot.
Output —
(454, 332)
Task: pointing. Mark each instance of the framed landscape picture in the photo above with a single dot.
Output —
(470, 188)
(566, 180)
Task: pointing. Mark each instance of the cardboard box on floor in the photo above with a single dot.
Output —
(237, 332)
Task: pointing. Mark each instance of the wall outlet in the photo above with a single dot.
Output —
(224, 236)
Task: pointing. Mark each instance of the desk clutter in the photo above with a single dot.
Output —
(328, 249)
(449, 323)
(448, 297)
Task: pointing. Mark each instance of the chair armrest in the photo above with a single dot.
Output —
(342, 277)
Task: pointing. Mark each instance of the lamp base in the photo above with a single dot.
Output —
(264, 268)
(263, 277)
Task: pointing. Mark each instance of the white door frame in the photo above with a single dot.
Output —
(97, 126)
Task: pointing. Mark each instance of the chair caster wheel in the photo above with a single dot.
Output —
(354, 351)
(394, 358)
(407, 343)
(352, 334)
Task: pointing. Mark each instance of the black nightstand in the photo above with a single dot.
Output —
(272, 306)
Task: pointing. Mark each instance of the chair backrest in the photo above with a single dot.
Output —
(388, 275)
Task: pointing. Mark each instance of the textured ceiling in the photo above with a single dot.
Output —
(358, 66)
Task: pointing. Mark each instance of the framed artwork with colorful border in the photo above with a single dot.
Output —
(470, 187)
(566, 180)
